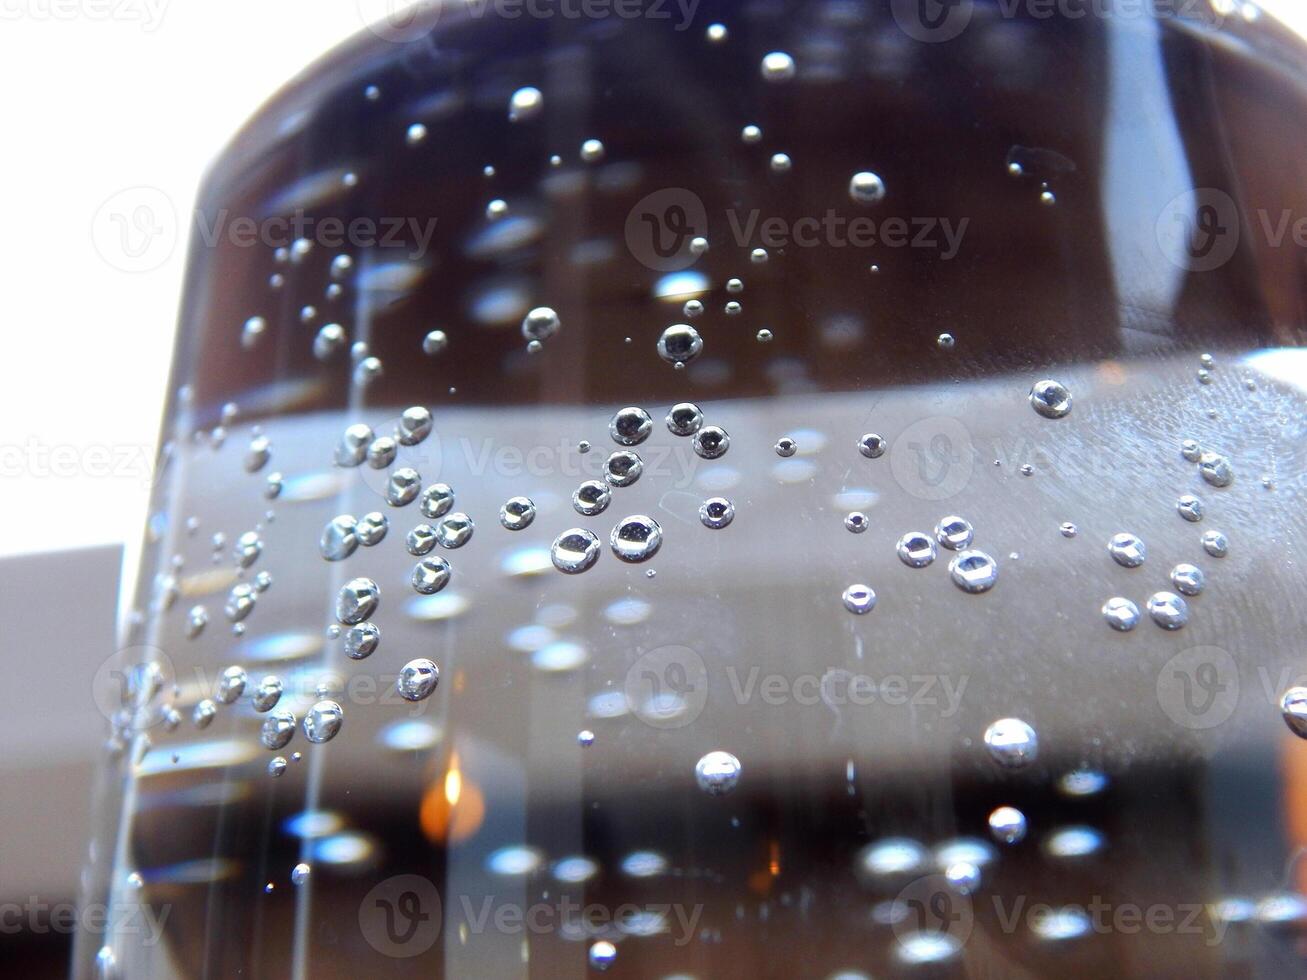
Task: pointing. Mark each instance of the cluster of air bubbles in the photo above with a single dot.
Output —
(859, 599)
(717, 773)
(1051, 399)
(872, 445)
(679, 344)
(716, 512)
(1012, 743)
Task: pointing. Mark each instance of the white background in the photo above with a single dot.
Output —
(100, 96)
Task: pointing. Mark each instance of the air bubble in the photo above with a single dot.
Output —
(954, 533)
(574, 550)
(1168, 610)
(361, 641)
(357, 601)
(859, 599)
(630, 426)
(1215, 544)
(973, 571)
(872, 445)
(436, 501)
(915, 549)
(623, 468)
(1012, 743)
(1188, 579)
(711, 442)
(717, 773)
(1007, 825)
(777, 66)
(430, 575)
(680, 343)
(866, 187)
(636, 539)
(1127, 550)
(684, 419)
(517, 513)
(323, 721)
(417, 680)
(591, 498)
(1121, 614)
(716, 512)
(1050, 399)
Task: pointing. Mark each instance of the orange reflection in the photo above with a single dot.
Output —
(452, 808)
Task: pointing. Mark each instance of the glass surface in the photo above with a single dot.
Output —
(935, 217)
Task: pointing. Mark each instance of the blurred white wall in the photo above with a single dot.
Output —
(103, 96)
